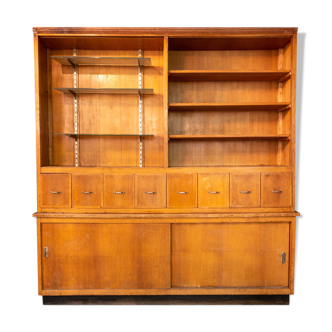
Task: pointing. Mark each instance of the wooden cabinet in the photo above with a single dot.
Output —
(165, 160)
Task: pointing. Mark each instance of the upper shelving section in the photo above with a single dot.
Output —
(102, 61)
(227, 75)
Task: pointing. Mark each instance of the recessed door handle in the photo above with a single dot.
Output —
(87, 192)
(151, 192)
(245, 192)
(183, 192)
(119, 192)
(46, 252)
(276, 191)
(213, 192)
(55, 192)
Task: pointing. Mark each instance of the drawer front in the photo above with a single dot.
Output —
(56, 190)
(182, 190)
(87, 191)
(245, 190)
(213, 190)
(276, 189)
(150, 191)
(119, 191)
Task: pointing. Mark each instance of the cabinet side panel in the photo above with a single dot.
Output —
(42, 105)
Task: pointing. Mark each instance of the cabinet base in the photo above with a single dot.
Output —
(168, 300)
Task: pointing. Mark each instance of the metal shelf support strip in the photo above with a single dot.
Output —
(76, 115)
(140, 110)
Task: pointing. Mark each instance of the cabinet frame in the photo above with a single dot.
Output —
(280, 43)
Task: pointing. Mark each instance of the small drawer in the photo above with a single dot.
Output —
(56, 190)
(87, 191)
(182, 190)
(119, 191)
(150, 191)
(245, 190)
(213, 190)
(276, 189)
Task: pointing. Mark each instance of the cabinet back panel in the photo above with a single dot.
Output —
(62, 111)
(222, 153)
(223, 60)
(153, 111)
(222, 122)
(223, 92)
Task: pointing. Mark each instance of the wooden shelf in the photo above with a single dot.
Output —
(134, 135)
(282, 137)
(101, 61)
(227, 75)
(106, 91)
(280, 107)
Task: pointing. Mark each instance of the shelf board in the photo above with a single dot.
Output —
(106, 91)
(282, 106)
(279, 137)
(227, 75)
(130, 135)
(228, 43)
(101, 61)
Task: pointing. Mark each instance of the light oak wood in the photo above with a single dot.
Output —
(213, 190)
(182, 190)
(56, 190)
(245, 190)
(119, 191)
(276, 189)
(222, 118)
(92, 256)
(227, 75)
(87, 191)
(150, 191)
(230, 255)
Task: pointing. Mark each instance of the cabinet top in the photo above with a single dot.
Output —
(163, 31)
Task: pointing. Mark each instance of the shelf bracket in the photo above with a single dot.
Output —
(285, 108)
(71, 62)
(140, 110)
(285, 78)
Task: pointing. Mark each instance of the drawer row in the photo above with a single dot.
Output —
(176, 190)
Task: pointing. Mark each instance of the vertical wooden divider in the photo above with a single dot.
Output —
(165, 92)
(280, 114)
